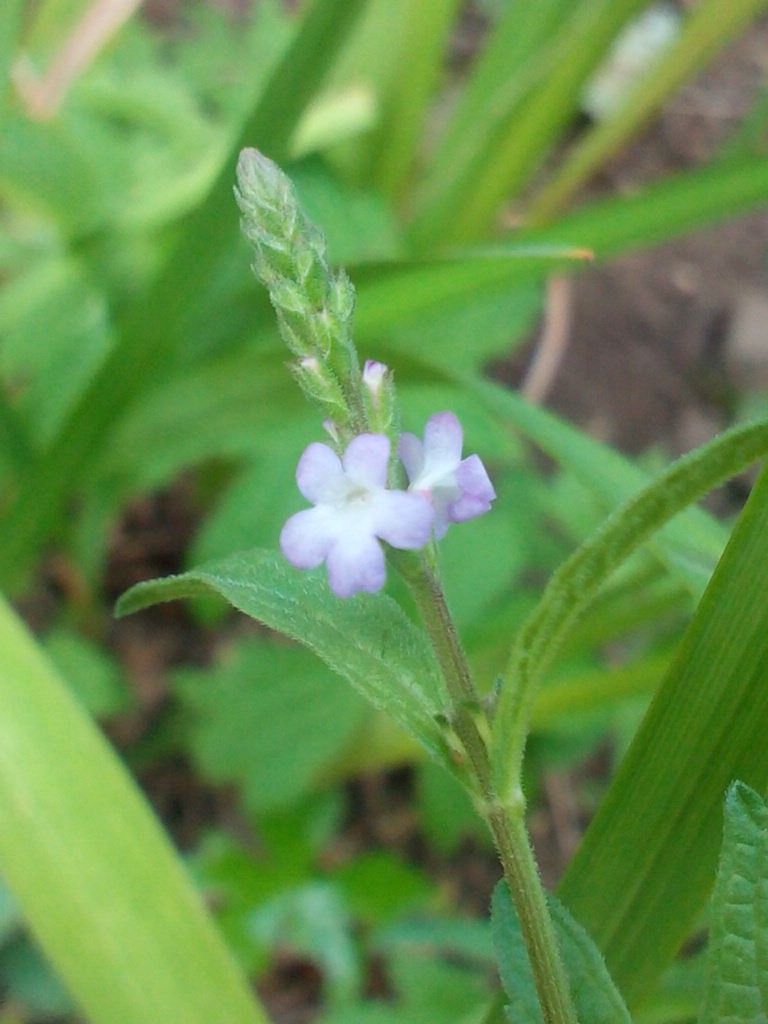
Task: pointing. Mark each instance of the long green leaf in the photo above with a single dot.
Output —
(678, 204)
(574, 52)
(97, 880)
(647, 862)
(391, 293)
(396, 292)
(516, 55)
(153, 327)
(367, 640)
(737, 974)
(709, 27)
(419, 56)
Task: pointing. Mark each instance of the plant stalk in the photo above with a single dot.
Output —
(521, 874)
(506, 822)
(466, 715)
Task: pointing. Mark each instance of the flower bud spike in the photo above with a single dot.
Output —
(314, 305)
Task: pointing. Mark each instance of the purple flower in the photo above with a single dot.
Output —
(458, 488)
(352, 511)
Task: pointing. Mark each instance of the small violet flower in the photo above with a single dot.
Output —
(353, 511)
(458, 489)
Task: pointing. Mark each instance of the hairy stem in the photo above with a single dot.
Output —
(506, 821)
(522, 876)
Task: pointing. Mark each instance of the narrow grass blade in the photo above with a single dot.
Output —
(390, 293)
(647, 862)
(573, 54)
(514, 57)
(709, 27)
(422, 41)
(680, 203)
(97, 880)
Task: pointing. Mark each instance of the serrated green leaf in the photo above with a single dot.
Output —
(737, 968)
(268, 718)
(367, 639)
(595, 997)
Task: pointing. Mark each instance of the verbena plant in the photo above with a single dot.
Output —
(421, 676)
(121, 257)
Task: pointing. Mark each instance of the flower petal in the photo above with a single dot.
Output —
(356, 562)
(308, 536)
(443, 438)
(477, 491)
(365, 460)
(319, 474)
(411, 452)
(403, 520)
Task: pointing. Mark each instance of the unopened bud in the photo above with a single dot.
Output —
(374, 373)
(379, 395)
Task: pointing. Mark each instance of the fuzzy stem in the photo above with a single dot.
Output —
(522, 876)
(505, 821)
(466, 716)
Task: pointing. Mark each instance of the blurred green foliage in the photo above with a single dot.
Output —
(138, 356)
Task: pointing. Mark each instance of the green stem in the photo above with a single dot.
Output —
(467, 718)
(522, 877)
(506, 821)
